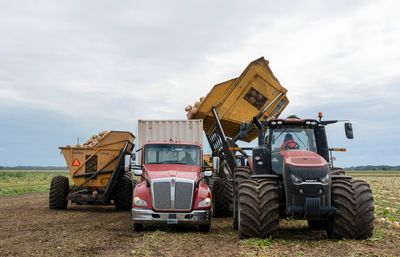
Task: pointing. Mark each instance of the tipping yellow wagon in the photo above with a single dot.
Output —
(97, 172)
(228, 110)
(230, 104)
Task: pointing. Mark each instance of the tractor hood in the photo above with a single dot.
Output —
(155, 171)
(301, 158)
(306, 165)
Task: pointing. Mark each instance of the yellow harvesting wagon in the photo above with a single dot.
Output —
(234, 103)
(97, 172)
(255, 93)
(228, 110)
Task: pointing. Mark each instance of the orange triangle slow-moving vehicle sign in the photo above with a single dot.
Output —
(76, 163)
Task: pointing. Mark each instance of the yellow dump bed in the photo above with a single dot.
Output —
(256, 92)
(103, 158)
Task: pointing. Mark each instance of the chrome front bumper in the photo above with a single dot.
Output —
(145, 216)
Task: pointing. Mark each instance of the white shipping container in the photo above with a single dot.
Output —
(179, 131)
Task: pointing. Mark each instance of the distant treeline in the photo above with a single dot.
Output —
(374, 167)
(32, 168)
(366, 167)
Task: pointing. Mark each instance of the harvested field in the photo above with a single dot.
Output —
(29, 228)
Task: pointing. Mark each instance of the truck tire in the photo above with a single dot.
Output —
(258, 214)
(205, 227)
(137, 227)
(223, 197)
(123, 193)
(354, 217)
(59, 189)
(240, 174)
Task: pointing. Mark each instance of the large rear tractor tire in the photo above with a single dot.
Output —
(240, 174)
(354, 217)
(123, 193)
(59, 189)
(258, 208)
(223, 197)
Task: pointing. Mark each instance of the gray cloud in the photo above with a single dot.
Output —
(92, 65)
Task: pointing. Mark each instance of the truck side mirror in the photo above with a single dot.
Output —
(348, 128)
(127, 163)
(215, 163)
(244, 130)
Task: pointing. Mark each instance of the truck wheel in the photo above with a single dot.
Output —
(354, 217)
(59, 189)
(205, 227)
(123, 193)
(223, 197)
(137, 227)
(258, 214)
(240, 174)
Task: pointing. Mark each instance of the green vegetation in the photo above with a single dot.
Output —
(373, 173)
(19, 182)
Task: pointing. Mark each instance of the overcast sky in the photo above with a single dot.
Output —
(74, 68)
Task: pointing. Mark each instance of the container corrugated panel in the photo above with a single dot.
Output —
(256, 91)
(186, 131)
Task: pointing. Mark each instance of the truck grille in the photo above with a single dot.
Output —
(172, 194)
(162, 195)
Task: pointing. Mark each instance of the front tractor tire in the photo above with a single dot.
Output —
(59, 189)
(354, 217)
(223, 197)
(123, 193)
(258, 214)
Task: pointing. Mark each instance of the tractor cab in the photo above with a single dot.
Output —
(289, 135)
(280, 137)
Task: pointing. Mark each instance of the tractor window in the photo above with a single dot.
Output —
(172, 154)
(290, 138)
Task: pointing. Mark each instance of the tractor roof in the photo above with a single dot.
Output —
(292, 120)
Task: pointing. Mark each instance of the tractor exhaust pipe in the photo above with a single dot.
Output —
(260, 131)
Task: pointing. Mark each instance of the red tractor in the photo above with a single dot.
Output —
(290, 174)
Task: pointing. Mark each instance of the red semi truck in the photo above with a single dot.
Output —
(172, 189)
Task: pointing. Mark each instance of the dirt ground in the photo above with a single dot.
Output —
(29, 228)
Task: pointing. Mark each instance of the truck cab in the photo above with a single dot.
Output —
(172, 189)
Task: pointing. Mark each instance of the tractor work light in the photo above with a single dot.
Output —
(295, 179)
(325, 180)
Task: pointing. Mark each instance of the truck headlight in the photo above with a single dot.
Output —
(295, 180)
(325, 180)
(205, 203)
(139, 202)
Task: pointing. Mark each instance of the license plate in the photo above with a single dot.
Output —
(172, 219)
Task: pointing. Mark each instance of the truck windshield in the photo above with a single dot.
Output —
(172, 154)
